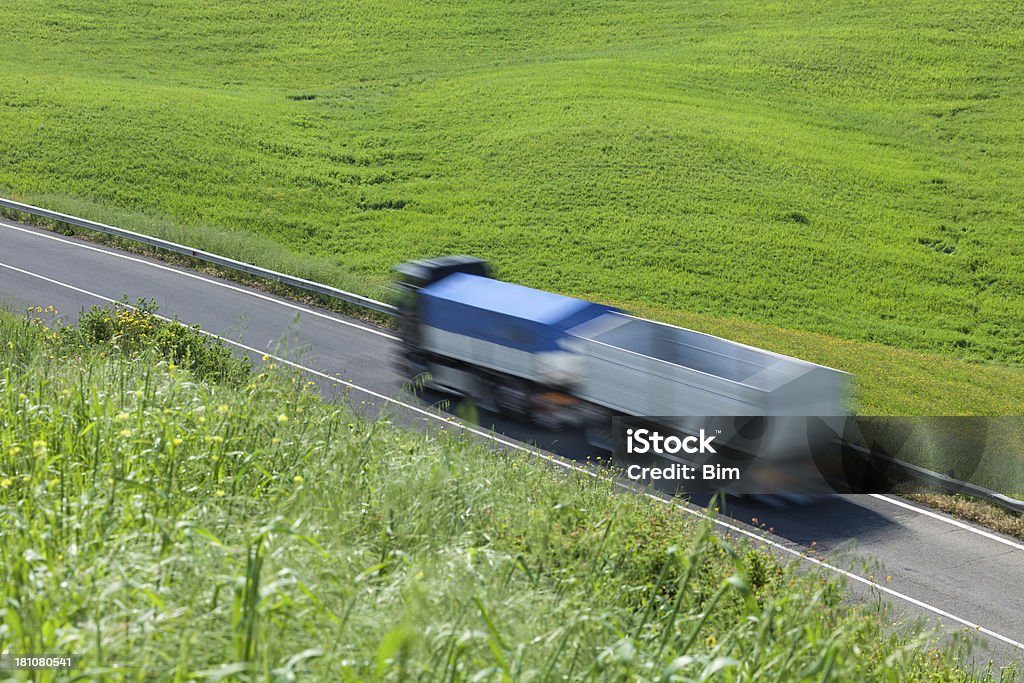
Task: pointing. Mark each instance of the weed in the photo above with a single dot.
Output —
(153, 522)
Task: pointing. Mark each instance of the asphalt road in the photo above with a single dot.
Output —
(927, 564)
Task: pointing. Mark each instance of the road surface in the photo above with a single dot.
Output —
(927, 564)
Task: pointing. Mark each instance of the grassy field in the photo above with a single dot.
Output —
(839, 181)
(170, 515)
(846, 168)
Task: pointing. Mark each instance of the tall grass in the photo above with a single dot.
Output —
(164, 527)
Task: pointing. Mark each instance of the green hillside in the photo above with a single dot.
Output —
(844, 168)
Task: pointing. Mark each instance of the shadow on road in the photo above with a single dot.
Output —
(828, 520)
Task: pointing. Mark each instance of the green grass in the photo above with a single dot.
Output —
(846, 170)
(166, 527)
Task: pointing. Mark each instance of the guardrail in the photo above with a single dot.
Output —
(938, 480)
(206, 257)
(943, 482)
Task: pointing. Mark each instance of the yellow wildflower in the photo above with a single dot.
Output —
(5, 483)
(282, 418)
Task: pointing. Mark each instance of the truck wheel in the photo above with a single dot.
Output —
(512, 399)
(486, 395)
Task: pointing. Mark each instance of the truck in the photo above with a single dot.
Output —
(562, 362)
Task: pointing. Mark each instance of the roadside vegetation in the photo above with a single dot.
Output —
(843, 180)
(169, 513)
(977, 511)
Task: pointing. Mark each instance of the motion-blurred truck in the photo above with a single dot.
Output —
(560, 361)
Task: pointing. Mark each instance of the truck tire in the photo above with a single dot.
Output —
(512, 399)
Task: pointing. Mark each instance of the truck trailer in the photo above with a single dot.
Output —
(560, 361)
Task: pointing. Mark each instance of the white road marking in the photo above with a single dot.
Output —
(561, 463)
(380, 333)
(948, 520)
(195, 276)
